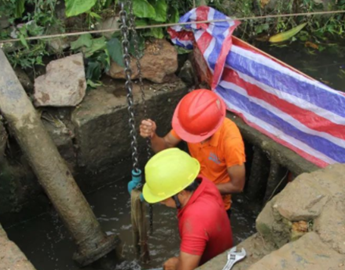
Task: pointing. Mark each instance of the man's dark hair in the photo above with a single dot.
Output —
(193, 186)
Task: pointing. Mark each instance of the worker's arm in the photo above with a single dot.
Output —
(237, 175)
(185, 261)
(148, 130)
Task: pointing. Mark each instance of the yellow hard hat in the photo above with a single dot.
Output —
(167, 173)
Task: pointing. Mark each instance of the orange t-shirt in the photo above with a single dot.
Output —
(225, 149)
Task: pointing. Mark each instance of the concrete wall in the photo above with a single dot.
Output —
(94, 140)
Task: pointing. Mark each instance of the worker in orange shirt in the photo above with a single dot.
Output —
(214, 140)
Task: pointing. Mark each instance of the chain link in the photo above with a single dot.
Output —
(135, 40)
(129, 84)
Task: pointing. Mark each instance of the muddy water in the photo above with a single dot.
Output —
(48, 245)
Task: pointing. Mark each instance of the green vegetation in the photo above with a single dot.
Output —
(25, 18)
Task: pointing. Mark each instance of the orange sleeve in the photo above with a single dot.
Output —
(172, 132)
(233, 148)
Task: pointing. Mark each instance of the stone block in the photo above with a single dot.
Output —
(64, 83)
(303, 199)
(330, 225)
(101, 122)
(307, 253)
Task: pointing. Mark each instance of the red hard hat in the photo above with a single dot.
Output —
(198, 115)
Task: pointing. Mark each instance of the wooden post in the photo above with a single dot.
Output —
(50, 169)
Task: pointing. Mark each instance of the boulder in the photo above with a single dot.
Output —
(159, 60)
(307, 253)
(64, 83)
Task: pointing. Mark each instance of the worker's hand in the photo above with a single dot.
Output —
(171, 264)
(147, 128)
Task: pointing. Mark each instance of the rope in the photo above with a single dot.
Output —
(174, 24)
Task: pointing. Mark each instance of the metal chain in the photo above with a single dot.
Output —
(135, 41)
(129, 85)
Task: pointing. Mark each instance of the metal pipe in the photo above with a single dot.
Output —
(51, 170)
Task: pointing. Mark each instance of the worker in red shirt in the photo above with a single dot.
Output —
(214, 140)
(172, 178)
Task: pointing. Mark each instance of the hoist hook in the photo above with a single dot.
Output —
(136, 181)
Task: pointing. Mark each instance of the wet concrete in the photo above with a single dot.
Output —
(48, 245)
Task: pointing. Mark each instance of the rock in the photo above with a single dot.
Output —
(272, 226)
(330, 225)
(110, 23)
(302, 199)
(64, 83)
(159, 60)
(307, 253)
(187, 73)
(24, 80)
(256, 248)
(59, 44)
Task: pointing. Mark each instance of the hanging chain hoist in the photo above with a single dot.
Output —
(128, 24)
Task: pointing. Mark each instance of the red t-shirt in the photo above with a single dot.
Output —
(203, 223)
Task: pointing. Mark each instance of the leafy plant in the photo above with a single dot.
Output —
(76, 7)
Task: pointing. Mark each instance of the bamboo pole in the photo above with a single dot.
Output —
(51, 170)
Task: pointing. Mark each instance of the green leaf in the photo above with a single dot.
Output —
(76, 7)
(93, 84)
(157, 33)
(141, 22)
(174, 16)
(181, 50)
(97, 44)
(287, 35)
(143, 9)
(19, 8)
(141, 46)
(23, 41)
(161, 10)
(34, 29)
(95, 15)
(83, 41)
(115, 51)
(93, 71)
